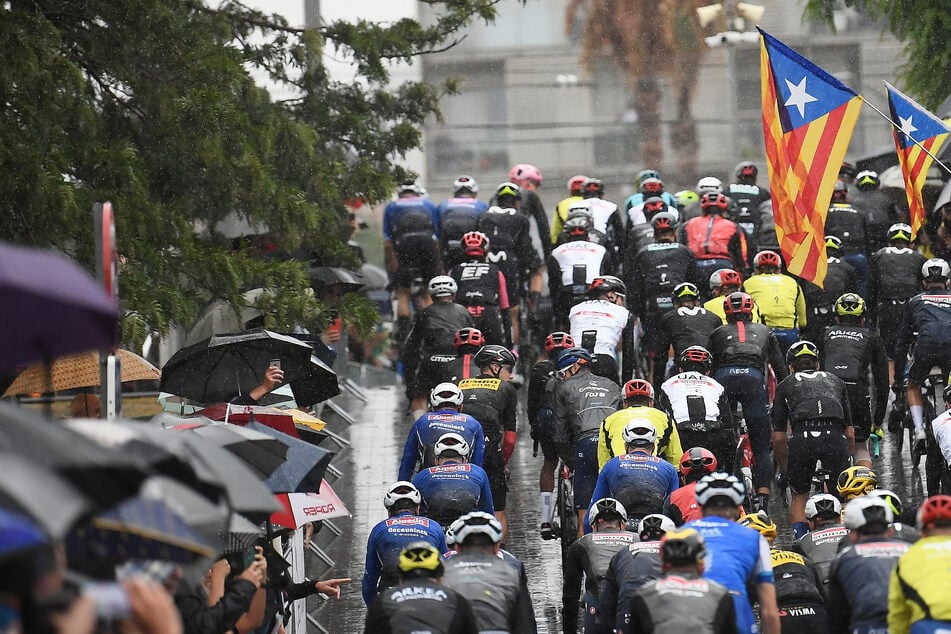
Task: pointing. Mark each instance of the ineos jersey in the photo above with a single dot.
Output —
(602, 316)
(480, 284)
(796, 579)
(931, 317)
(686, 326)
(840, 278)
(849, 351)
(809, 396)
(421, 605)
(495, 590)
(695, 402)
(820, 547)
(654, 272)
(894, 274)
(746, 344)
(510, 243)
(748, 199)
(578, 263)
(849, 225)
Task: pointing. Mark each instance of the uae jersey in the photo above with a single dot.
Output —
(602, 316)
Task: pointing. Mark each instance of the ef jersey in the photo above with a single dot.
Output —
(608, 320)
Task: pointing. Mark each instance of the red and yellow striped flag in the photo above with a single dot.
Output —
(808, 119)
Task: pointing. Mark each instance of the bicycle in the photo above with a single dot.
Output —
(565, 522)
(932, 391)
(743, 465)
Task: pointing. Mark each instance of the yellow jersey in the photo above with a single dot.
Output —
(561, 214)
(779, 298)
(610, 442)
(920, 583)
(715, 306)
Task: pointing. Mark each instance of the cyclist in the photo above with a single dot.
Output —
(699, 407)
(894, 278)
(930, 316)
(483, 290)
(497, 592)
(868, 197)
(453, 487)
(589, 557)
(683, 599)
(855, 482)
(858, 582)
(467, 342)
(561, 209)
(826, 531)
(706, 185)
(688, 324)
(403, 527)
(492, 400)
(851, 226)
(445, 401)
(640, 231)
(820, 302)
(420, 602)
(607, 218)
(901, 529)
(779, 298)
(638, 406)
(695, 463)
(723, 283)
(541, 417)
(716, 242)
(599, 322)
(428, 351)
(647, 189)
(799, 590)
(573, 265)
(458, 216)
(918, 598)
(737, 555)
(941, 429)
(529, 178)
(582, 400)
(849, 351)
(747, 197)
(638, 478)
(741, 351)
(410, 231)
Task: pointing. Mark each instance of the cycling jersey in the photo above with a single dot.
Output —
(849, 225)
(715, 305)
(510, 246)
(483, 291)
(531, 207)
(894, 274)
(653, 273)
(636, 200)
(630, 568)
(561, 214)
(746, 344)
(428, 428)
(820, 547)
(779, 299)
(797, 582)
(918, 597)
(581, 402)
(640, 482)
(683, 504)
(540, 406)
(499, 596)
(686, 326)
(735, 555)
(858, 584)
(748, 199)
(493, 403)
(930, 314)
(941, 427)
(611, 443)
(420, 605)
(605, 318)
(429, 344)
(589, 557)
(452, 490)
(683, 602)
(457, 217)
(849, 352)
(386, 541)
(820, 302)
(463, 367)
(880, 213)
(696, 402)
(607, 220)
(804, 398)
(576, 263)
(713, 237)
(410, 217)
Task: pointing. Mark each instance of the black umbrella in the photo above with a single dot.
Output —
(304, 469)
(262, 452)
(225, 366)
(41, 495)
(349, 281)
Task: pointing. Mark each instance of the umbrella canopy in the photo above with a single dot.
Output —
(350, 281)
(242, 534)
(375, 276)
(302, 508)
(262, 452)
(280, 419)
(225, 366)
(17, 533)
(220, 317)
(79, 370)
(304, 468)
(40, 495)
(52, 308)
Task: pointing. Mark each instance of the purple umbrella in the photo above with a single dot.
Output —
(53, 308)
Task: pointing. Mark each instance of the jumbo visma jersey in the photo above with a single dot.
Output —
(610, 442)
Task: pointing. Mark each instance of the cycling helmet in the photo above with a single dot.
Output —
(578, 228)
(947, 393)
(579, 208)
(767, 259)
(468, 337)
(685, 291)
(442, 286)
(654, 526)
(408, 187)
(856, 481)
(421, 556)
(681, 547)
(833, 243)
(402, 490)
(638, 388)
(571, 356)
(848, 170)
(451, 443)
(725, 277)
(475, 243)
(607, 284)
(465, 183)
(477, 523)
(891, 499)
(686, 196)
(652, 186)
(494, 354)
(663, 220)
(696, 460)
(737, 306)
(746, 170)
(605, 507)
(709, 185)
(525, 172)
(899, 231)
(559, 341)
(867, 180)
(640, 434)
(935, 270)
(592, 187)
(575, 183)
(867, 514)
(717, 203)
(696, 358)
(850, 305)
(718, 487)
(644, 175)
(446, 394)
(823, 505)
(653, 206)
(760, 523)
(840, 193)
(508, 189)
(935, 511)
(802, 349)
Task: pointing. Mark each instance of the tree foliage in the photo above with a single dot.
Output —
(151, 104)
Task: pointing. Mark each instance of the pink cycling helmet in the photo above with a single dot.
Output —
(525, 172)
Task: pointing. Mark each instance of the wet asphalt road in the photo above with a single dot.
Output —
(371, 463)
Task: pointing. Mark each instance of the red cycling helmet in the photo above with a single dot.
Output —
(765, 259)
(935, 511)
(736, 305)
(559, 341)
(725, 277)
(697, 461)
(475, 243)
(638, 387)
(714, 200)
(696, 356)
(654, 205)
(468, 337)
(575, 183)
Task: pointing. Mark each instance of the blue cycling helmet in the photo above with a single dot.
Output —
(571, 356)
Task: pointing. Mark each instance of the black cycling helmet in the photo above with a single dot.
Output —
(494, 354)
(899, 232)
(682, 546)
(867, 180)
(607, 284)
(571, 356)
(654, 526)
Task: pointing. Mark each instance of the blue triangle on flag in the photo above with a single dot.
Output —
(913, 120)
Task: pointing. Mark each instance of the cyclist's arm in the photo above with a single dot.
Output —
(777, 359)
(604, 445)
(726, 412)
(840, 611)
(779, 415)
(485, 496)
(505, 309)
(376, 620)
(412, 346)
(524, 617)
(371, 570)
(801, 314)
(847, 411)
(673, 450)
(564, 432)
(768, 610)
(411, 451)
(899, 608)
(478, 450)
(602, 487)
(575, 565)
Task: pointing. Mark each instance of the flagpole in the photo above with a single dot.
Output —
(913, 140)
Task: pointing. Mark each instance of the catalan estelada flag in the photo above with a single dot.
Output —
(808, 119)
(925, 128)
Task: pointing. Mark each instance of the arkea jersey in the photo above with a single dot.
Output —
(603, 317)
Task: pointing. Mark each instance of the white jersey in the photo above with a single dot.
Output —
(942, 434)
(579, 253)
(609, 320)
(601, 212)
(693, 396)
(636, 216)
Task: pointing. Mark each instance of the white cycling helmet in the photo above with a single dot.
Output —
(869, 512)
(654, 525)
(477, 523)
(580, 208)
(465, 182)
(408, 187)
(720, 485)
(446, 394)
(606, 505)
(402, 490)
(709, 185)
(640, 433)
(935, 270)
(451, 443)
(442, 285)
(822, 504)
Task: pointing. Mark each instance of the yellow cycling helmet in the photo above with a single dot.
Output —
(760, 523)
(850, 305)
(856, 481)
(421, 556)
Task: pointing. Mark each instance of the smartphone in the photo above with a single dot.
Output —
(247, 557)
(275, 363)
(112, 602)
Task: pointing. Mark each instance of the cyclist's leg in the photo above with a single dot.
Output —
(546, 477)
(586, 476)
(756, 411)
(922, 360)
(860, 405)
(800, 467)
(494, 467)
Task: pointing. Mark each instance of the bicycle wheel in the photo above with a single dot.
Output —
(742, 469)
(567, 516)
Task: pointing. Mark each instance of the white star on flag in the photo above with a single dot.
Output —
(798, 96)
(907, 127)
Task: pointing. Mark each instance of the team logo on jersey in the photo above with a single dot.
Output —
(475, 384)
(412, 520)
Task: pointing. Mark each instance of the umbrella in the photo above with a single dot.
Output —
(221, 317)
(18, 533)
(225, 366)
(78, 370)
(302, 508)
(375, 276)
(279, 419)
(242, 534)
(304, 468)
(263, 453)
(39, 494)
(350, 281)
(52, 308)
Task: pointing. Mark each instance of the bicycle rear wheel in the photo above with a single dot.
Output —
(567, 516)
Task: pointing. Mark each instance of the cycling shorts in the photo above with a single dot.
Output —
(807, 447)
(430, 374)
(803, 619)
(860, 403)
(924, 357)
(545, 433)
(892, 324)
(415, 257)
(495, 468)
(586, 470)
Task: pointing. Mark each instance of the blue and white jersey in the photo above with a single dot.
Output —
(452, 490)
(640, 482)
(426, 431)
(410, 215)
(386, 541)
